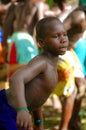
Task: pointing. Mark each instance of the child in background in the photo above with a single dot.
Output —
(21, 45)
(70, 76)
(22, 49)
(66, 88)
(35, 81)
(80, 45)
(75, 32)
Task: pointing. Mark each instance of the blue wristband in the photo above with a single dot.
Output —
(23, 108)
(39, 122)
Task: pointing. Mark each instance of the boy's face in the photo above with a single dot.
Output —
(56, 39)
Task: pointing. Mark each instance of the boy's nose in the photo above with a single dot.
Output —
(63, 39)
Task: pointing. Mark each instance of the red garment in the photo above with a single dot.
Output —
(12, 59)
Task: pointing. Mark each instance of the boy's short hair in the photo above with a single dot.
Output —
(77, 22)
(42, 27)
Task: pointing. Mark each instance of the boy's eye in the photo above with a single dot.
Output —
(58, 35)
(65, 34)
(55, 36)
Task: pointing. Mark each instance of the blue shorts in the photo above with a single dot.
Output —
(7, 114)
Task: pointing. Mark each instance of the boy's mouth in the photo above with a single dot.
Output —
(63, 49)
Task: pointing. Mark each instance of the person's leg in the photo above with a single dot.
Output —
(74, 123)
(67, 107)
(56, 102)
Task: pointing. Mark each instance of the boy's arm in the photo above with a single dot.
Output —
(17, 87)
(23, 76)
(9, 69)
(38, 119)
(80, 83)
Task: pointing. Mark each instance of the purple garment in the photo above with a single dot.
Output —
(7, 114)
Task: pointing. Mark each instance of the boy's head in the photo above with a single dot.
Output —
(77, 17)
(75, 25)
(44, 26)
(51, 31)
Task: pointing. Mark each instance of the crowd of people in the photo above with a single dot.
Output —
(42, 53)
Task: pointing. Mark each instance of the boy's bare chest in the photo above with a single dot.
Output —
(51, 78)
(45, 81)
(40, 90)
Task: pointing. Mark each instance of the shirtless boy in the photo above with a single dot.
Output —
(31, 85)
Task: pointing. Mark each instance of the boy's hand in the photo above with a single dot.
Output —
(24, 120)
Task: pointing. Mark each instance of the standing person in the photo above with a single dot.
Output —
(78, 18)
(75, 31)
(21, 45)
(22, 49)
(66, 88)
(14, 21)
(70, 76)
(36, 80)
(31, 10)
(80, 46)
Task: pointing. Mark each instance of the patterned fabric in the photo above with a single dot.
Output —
(78, 71)
(65, 71)
(68, 68)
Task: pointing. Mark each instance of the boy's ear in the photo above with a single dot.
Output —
(41, 43)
